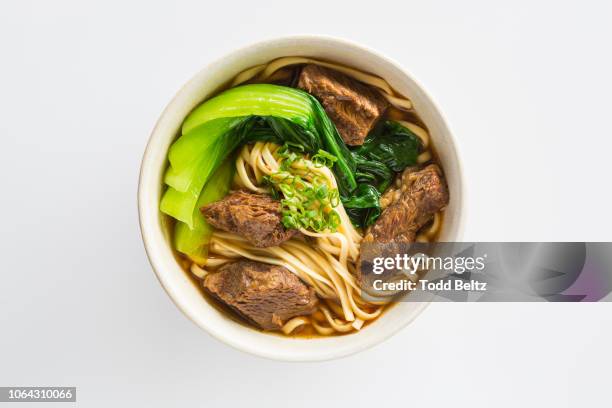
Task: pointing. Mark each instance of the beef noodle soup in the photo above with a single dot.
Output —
(275, 182)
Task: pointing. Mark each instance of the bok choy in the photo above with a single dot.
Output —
(389, 148)
(216, 127)
(194, 241)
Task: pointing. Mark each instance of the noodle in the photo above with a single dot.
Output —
(247, 75)
(417, 130)
(435, 226)
(323, 331)
(424, 157)
(198, 271)
(294, 323)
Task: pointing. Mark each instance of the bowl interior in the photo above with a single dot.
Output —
(155, 227)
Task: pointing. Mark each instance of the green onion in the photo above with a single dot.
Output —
(307, 201)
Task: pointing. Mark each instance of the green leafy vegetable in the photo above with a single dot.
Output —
(193, 241)
(391, 144)
(364, 206)
(287, 132)
(187, 154)
(186, 181)
(374, 173)
(388, 149)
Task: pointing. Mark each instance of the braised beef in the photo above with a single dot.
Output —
(256, 217)
(265, 295)
(423, 193)
(353, 106)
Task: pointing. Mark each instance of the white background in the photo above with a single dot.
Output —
(525, 86)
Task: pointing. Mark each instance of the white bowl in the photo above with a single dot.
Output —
(156, 235)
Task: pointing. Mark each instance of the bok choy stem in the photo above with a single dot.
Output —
(193, 241)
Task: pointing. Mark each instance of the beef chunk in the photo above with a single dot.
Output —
(424, 193)
(265, 295)
(256, 217)
(352, 106)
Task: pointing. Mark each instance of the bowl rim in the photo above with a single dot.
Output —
(155, 262)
